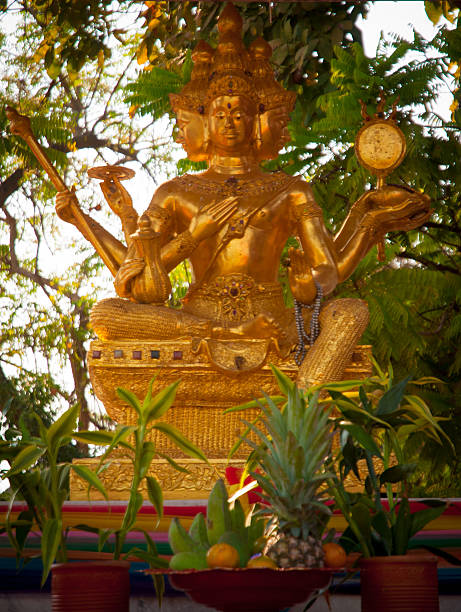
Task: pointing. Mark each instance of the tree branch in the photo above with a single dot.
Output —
(429, 264)
(10, 185)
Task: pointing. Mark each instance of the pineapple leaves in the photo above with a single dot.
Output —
(289, 459)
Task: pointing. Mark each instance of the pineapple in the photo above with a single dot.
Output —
(290, 462)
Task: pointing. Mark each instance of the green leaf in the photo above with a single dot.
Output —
(148, 453)
(160, 403)
(402, 528)
(173, 463)
(433, 10)
(380, 525)
(390, 401)
(91, 479)
(154, 491)
(159, 586)
(25, 459)
(62, 428)
(277, 399)
(443, 554)
(132, 509)
(148, 397)
(181, 441)
(100, 438)
(154, 561)
(362, 517)
(285, 384)
(130, 398)
(106, 438)
(421, 518)
(104, 535)
(393, 474)
(363, 438)
(51, 539)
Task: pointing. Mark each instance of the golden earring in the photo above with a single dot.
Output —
(258, 138)
(206, 136)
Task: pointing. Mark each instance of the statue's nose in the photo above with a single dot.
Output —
(229, 121)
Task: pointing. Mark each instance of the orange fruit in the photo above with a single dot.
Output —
(222, 555)
(335, 555)
(262, 561)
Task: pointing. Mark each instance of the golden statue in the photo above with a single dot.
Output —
(231, 222)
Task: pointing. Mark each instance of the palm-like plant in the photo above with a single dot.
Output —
(289, 462)
(45, 488)
(376, 425)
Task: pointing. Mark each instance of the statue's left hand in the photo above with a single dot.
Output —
(129, 269)
(300, 277)
(395, 208)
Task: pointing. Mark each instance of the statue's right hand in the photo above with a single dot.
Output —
(117, 197)
(129, 269)
(64, 200)
(212, 217)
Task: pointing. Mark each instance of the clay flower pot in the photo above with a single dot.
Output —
(93, 586)
(399, 583)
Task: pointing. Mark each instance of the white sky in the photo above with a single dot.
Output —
(394, 17)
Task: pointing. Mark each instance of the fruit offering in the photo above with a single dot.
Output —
(262, 561)
(222, 555)
(222, 539)
(335, 555)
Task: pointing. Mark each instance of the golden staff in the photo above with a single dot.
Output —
(20, 126)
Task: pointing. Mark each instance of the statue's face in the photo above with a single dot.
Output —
(190, 134)
(274, 132)
(230, 123)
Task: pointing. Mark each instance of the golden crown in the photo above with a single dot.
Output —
(232, 70)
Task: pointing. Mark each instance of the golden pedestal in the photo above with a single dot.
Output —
(214, 376)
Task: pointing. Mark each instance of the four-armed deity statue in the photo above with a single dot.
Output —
(231, 222)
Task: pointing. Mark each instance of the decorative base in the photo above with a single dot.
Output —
(197, 484)
(214, 376)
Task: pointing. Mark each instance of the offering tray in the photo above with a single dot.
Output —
(249, 589)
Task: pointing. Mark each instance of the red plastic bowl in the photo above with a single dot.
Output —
(249, 589)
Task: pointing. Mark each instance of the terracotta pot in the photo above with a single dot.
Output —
(92, 586)
(400, 583)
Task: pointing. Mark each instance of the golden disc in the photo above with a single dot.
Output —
(106, 173)
(380, 146)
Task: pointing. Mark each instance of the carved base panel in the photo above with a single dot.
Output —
(197, 484)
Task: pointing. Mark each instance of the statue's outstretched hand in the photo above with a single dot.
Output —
(394, 208)
(129, 269)
(64, 201)
(212, 217)
(300, 277)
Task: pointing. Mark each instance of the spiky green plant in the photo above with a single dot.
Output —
(289, 462)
